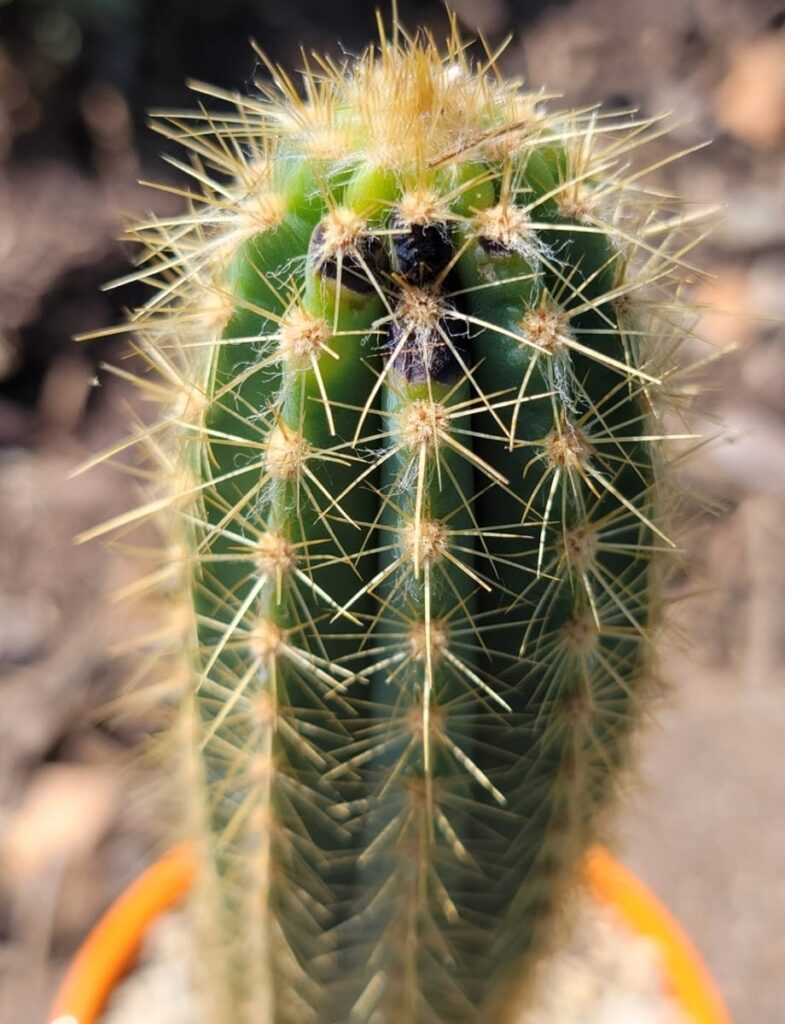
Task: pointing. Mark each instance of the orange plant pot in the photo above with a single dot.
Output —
(112, 947)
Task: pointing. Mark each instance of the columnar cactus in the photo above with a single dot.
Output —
(412, 337)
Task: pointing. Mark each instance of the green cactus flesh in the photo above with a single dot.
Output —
(418, 334)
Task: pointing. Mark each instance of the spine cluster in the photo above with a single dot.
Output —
(415, 338)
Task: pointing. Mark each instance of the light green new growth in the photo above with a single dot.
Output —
(415, 337)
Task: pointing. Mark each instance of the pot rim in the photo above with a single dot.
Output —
(112, 946)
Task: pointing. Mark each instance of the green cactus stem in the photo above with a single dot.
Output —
(416, 337)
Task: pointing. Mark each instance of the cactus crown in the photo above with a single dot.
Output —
(412, 338)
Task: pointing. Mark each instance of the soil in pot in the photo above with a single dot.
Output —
(603, 974)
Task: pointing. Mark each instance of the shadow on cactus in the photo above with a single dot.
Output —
(414, 342)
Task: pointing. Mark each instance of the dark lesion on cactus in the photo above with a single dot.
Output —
(425, 338)
(504, 230)
(361, 262)
(493, 247)
(422, 251)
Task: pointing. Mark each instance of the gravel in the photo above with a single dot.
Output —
(602, 975)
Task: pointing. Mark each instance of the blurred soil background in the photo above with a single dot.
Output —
(705, 822)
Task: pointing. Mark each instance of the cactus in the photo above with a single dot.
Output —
(413, 339)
